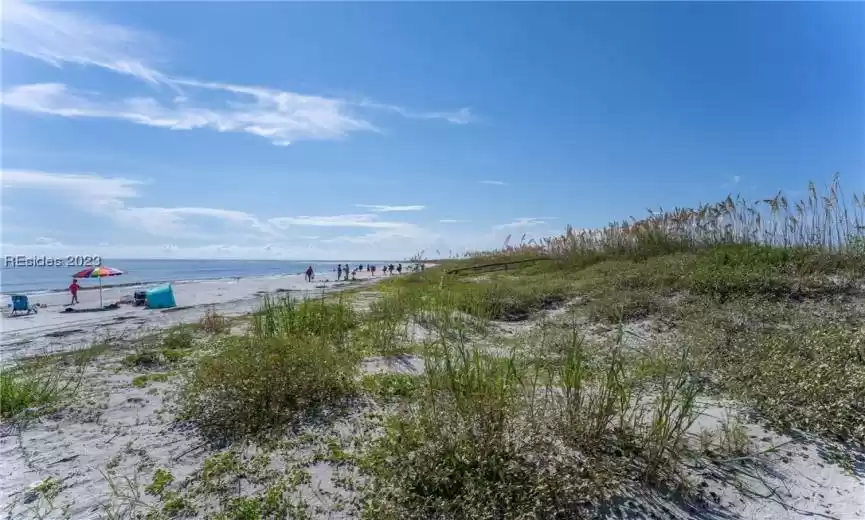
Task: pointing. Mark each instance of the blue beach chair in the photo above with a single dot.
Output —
(22, 305)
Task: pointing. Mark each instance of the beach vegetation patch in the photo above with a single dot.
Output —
(214, 323)
(809, 376)
(392, 386)
(319, 317)
(484, 440)
(252, 385)
(30, 392)
(143, 359)
(178, 338)
(142, 380)
(173, 355)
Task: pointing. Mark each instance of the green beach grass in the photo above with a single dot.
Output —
(522, 408)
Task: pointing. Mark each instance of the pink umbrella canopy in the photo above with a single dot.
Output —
(99, 271)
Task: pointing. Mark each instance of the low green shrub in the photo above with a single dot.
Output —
(484, 441)
(389, 386)
(34, 391)
(178, 338)
(313, 318)
(251, 385)
(810, 376)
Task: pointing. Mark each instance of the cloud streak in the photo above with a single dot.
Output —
(364, 220)
(110, 197)
(57, 37)
(281, 118)
(379, 208)
(494, 183)
(526, 222)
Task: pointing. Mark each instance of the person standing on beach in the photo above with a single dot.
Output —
(399, 269)
(372, 269)
(309, 274)
(73, 289)
(346, 272)
(338, 272)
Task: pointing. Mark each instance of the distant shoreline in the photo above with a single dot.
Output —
(93, 283)
(139, 283)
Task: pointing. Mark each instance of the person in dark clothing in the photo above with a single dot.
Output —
(346, 272)
(309, 274)
(372, 269)
(338, 271)
(390, 269)
(399, 269)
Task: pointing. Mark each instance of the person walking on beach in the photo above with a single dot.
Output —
(309, 274)
(346, 272)
(390, 268)
(372, 269)
(73, 289)
(338, 272)
(399, 269)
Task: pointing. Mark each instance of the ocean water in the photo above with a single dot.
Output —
(33, 280)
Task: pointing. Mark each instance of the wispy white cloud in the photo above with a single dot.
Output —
(453, 221)
(48, 241)
(174, 232)
(175, 222)
(736, 179)
(364, 220)
(282, 118)
(59, 37)
(526, 222)
(109, 197)
(494, 183)
(379, 236)
(379, 208)
(462, 116)
(92, 192)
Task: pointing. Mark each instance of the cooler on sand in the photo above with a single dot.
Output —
(161, 297)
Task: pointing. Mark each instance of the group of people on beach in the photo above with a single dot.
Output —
(342, 271)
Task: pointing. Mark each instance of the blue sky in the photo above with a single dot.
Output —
(332, 131)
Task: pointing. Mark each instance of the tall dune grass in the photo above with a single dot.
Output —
(824, 220)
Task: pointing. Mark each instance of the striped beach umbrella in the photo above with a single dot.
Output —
(99, 271)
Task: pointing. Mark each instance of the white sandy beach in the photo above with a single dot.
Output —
(51, 330)
(130, 430)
